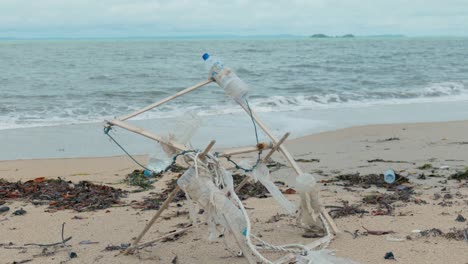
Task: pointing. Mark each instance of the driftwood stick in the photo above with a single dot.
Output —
(50, 245)
(164, 206)
(149, 243)
(165, 100)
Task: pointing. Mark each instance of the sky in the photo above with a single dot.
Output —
(150, 18)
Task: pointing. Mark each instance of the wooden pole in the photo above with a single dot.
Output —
(164, 206)
(165, 100)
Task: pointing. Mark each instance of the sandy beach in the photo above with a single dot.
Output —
(426, 154)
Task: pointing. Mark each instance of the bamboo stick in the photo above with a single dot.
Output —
(165, 100)
(236, 151)
(164, 206)
(143, 132)
(288, 157)
(275, 148)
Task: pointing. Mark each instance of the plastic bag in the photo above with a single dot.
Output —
(309, 211)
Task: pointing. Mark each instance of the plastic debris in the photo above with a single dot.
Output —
(389, 176)
(20, 212)
(389, 255)
(4, 209)
(309, 212)
(262, 174)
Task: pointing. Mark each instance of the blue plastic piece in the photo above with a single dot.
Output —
(148, 173)
(205, 56)
(244, 233)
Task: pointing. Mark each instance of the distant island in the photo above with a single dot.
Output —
(353, 36)
(326, 36)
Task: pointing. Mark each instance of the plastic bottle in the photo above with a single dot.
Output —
(233, 86)
(156, 165)
(389, 176)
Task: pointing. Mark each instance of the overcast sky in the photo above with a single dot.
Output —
(127, 18)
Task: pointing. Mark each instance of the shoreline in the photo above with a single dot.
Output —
(230, 130)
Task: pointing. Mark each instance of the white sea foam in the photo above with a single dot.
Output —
(75, 113)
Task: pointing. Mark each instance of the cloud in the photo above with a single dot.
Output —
(242, 17)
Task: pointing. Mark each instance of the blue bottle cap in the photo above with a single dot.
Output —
(205, 56)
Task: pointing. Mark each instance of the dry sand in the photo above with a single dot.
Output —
(339, 152)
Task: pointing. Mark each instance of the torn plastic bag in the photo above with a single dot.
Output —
(309, 211)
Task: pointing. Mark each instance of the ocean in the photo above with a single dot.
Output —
(56, 93)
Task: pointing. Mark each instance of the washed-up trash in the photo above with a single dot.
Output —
(4, 209)
(19, 212)
(395, 239)
(389, 176)
(87, 242)
(81, 196)
(460, 218)
(389, 255)
(73, 255)
(117, 247)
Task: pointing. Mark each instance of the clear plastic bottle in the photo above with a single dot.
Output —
(389, 176)
(233, 86)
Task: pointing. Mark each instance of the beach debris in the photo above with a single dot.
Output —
(250, 189)
(81, 196)
(22, 261)
(73, 255)
(460, 218)
(117, 247)
(387, 161)
(426, 166)
(307, 160)
(458, 234)
(64, 240)
(20, 212)
(4, 209)
(389, 255)
(77, 217)
(434, 232)
(378, 232)
(87, 242)
(389, 176)
(356, 233)
(276, 218)
(389, 139)
(459, 175)
(289, 191)
(174, 260)
(345, 210)
(370, 179)
(394, 239)
(140, 179)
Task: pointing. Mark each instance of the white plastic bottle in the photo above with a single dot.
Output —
(233, 86)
